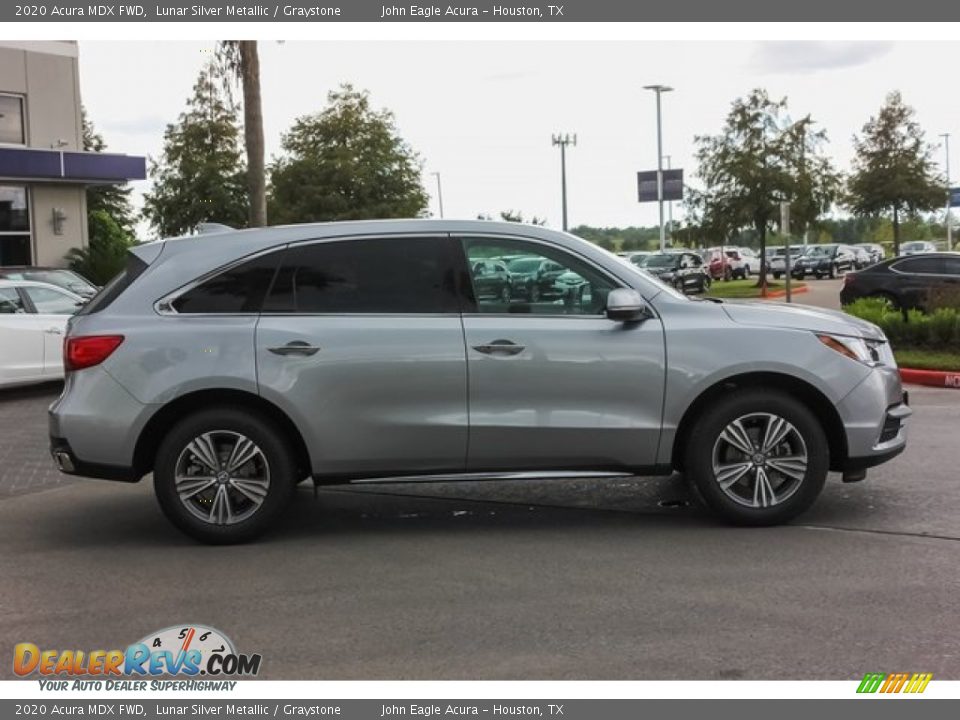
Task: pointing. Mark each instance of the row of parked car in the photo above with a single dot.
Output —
(35, 304)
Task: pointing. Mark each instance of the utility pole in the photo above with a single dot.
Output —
(439, 193)
(563, 141)
(946, 146)
(659, 90)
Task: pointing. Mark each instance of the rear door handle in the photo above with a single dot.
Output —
(500, 347)
(296, 347)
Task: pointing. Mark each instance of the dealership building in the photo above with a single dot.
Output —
(44, 172)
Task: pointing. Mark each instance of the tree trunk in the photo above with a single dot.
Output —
(762, 280)
(253, 131)
(896, 231)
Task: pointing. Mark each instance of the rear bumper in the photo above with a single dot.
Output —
(68, 463)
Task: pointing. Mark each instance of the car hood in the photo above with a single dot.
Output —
(800, 317)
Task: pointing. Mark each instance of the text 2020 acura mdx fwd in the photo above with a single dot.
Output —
(233, 365)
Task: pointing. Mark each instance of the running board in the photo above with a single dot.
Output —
(467, 477)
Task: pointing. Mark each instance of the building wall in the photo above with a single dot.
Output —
(47, 75)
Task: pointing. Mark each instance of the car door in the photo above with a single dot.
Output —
(361, 340)
(554, 384)
(53, 308)
(21, 340)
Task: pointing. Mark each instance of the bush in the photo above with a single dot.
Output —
(106, 252)
(939, 330)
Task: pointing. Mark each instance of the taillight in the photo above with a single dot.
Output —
(86, 351)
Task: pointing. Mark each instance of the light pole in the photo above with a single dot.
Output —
(946, 146)
(659, 90)
(563, 141)
(439, 194)
(669, 208)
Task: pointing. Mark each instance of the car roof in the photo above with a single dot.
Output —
(4, 283)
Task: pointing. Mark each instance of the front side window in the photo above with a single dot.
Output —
(237, 290)
(539, 280)
(48, 301)
(14, 225)
(394, 275)
(11, 120)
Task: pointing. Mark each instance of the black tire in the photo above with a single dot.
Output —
(777, 276)
(700, 447)
(834, 271)
(278, 456)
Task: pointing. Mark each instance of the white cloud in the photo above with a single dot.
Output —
(808, 57)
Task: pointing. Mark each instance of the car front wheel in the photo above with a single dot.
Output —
(758, 457)
(224, 475)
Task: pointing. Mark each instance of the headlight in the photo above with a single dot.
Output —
(869, 352)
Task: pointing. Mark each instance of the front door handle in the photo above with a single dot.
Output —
(296, 347)
(500, 347)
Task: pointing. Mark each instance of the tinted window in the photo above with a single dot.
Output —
(544, 281)
(952, 266)
(920, 265)
(239, 289)
(51, 302)
(369, 275)
(10, 302)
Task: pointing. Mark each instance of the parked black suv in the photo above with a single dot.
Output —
(682, 270)
(491, 280)
(825, 260)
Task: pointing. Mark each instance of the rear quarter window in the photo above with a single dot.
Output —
(114, 289)
(238, 289)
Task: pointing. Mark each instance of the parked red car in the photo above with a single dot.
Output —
(726, 265)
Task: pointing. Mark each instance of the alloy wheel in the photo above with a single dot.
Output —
(759, 460)
(222, 477)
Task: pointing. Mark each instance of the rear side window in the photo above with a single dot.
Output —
(368, 275)
(920, 265)
(240, 289)
(114, 289)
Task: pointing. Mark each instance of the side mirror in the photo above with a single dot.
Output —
(626, 305)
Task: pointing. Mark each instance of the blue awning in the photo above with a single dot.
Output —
(68, 166)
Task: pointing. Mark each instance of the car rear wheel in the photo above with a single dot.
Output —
(224, 476)
(758, 457)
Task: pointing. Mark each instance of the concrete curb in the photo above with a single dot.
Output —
(783, 293)
(932, 378)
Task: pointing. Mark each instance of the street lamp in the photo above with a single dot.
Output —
(563, 141)
(659, 90)
(669, 207)
(439, 193)
(946, 146)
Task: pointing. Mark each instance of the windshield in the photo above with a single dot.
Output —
(523, 265)
(821, 250)
(660, 261)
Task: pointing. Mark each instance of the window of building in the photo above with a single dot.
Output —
(14, 225)
(11, 120)
(368, 275)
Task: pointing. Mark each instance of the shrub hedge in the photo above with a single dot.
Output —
(937, 330)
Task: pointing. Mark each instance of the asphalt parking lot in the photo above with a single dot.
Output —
(590, 579)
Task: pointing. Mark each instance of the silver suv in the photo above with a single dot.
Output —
(234, 365)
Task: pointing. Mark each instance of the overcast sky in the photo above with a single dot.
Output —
(482, 113)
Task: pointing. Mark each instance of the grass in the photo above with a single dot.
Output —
(928, 359)
(739, 289)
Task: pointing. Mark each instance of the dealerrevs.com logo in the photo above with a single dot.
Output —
(180, 650)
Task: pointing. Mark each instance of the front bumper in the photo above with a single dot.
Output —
(874, 416)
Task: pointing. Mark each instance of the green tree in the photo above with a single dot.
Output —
(200, 175)
(241, 62)
(515, 216)
(347, 162)
(760, 159)
(893, 173)
(112, 199)
(106, 251)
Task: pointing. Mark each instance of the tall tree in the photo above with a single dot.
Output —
(112, 199)
(200, 175)
(347, 162)
(893, 172)
(242, 60)
(758, 161)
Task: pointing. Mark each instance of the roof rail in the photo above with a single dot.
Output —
(211, 228)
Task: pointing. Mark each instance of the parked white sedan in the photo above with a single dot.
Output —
(33, 319)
